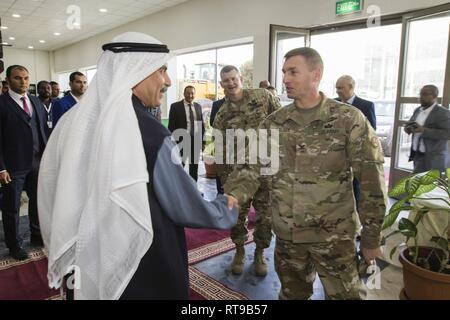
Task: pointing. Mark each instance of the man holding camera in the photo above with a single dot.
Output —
(430, 126)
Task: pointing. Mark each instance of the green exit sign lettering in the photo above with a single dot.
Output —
(348, 6)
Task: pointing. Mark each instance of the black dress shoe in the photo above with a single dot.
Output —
(18, 254)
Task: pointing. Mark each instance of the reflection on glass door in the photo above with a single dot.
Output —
(373, 64)
(283, 39)
(424, 55)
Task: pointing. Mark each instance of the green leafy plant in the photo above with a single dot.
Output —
(410, 188)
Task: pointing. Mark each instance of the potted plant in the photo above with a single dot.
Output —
(426, 269)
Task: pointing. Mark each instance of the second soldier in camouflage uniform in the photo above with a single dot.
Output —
(246, 109)
(322, 145)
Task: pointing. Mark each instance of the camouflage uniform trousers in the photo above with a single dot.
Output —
(335, 262)
(263, 229)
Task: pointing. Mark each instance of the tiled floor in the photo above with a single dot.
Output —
(256, 288)
(267, 288)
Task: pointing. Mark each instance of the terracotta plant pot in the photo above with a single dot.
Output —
(423, 284)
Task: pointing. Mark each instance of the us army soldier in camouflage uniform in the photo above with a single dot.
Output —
(246, 109)
(323, 144)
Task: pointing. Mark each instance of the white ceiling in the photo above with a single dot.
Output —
(40, 19)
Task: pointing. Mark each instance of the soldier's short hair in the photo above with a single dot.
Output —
(311, 56)
(13, 67)
(229, 68)
(52, 83)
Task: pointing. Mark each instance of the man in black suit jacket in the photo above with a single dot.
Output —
(214, 109)
(22, 142)
(45, 96)
(187, 115)
(430, 127)
(345, 88)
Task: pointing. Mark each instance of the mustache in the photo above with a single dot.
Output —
(164, 90)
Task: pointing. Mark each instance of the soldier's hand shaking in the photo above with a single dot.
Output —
(232, 202)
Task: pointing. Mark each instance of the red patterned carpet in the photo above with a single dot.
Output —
(27, 280)
(203, 244)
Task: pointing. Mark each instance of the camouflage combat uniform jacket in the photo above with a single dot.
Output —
(312, 197)
(255, 106)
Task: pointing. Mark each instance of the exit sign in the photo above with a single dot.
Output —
(348, 6)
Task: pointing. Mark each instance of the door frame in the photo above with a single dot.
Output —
(396, 174)
(274, 30)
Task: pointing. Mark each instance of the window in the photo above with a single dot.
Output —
(90, 73)
(426, 55)
(63, 80)
(371, 57)
(201, 69)
(283, 39)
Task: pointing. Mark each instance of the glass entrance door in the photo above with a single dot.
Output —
(424, 59)
(283, 39)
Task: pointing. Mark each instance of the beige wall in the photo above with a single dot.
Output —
(197, 23)
(37, 62)
(200, 22)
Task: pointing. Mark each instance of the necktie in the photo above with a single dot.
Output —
(191, 119)
(25, 106)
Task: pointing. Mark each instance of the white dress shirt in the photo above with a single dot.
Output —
(17, 98)
(418, 144)
(350, 101)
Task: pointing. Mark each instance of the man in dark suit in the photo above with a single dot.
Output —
(5, 87)
(214, 109)
(22, 142)
(45, 95)
(78, 86)
(345, 88)
(430, 126)
(187, 114)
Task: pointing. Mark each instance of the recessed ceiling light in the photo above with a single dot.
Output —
(4, 27)
(42, 41)
(5, 43)
(30, 47)
(57, 34)
(12, 38)
(103, 10)
(15, 15)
